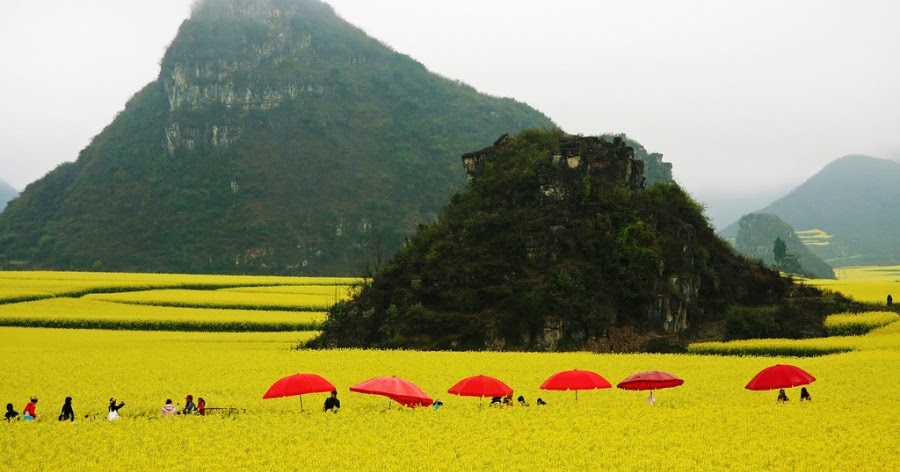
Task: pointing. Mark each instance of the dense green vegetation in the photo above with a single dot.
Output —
(758, 236)
(613, 254)
(341, 149)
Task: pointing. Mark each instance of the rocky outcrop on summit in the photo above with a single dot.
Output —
(557, 243)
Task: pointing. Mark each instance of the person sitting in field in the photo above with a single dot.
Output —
(113, 410)
(804, 395)
(29, 414)
(438, 404)
(496, 401)
(332, 403)
(67, 413)
(540, 401)
(782, 397)
(189, 406)
(168, 410)
(522, 401)
(201, 406)
(10, 413)
(651, 400)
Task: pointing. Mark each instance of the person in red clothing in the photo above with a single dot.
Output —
(201, 406)
(28, 414)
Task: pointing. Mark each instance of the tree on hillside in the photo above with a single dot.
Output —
(779, 251)
(785, 261)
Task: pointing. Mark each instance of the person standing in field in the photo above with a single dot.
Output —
(67, 413)
(189, 406)
(10, 413)
(201, 406)
(890, 300)
(804, 395)
(168, 410)
(332, 403)
(113, 413)
(29, 414)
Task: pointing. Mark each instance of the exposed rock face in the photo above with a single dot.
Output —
(604, 165)
(556, 244)
(277, 138)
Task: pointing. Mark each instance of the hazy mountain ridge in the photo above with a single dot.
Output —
(7, 193)
(856, 200)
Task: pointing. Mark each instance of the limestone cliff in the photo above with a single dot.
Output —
(557, 243)
(278, 138)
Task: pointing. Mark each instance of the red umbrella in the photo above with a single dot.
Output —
(400, 390)
(650, 380)
(575, 380)
(480, 386)
(780, 376)
(298, 384)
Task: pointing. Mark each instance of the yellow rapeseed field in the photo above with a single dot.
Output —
(709, 423)
(167, 301)
(90, 312)
(871, 284)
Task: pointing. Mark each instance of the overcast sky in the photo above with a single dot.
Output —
(743, 97)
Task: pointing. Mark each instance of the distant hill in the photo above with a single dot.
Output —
(756, 237)
(278, 138)
(854, 203)
(7, 193)
(556, 244)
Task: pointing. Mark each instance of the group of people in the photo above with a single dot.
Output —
(67, 413)
(508, 401)
(332, 404)
(804, 395)
(190, 408)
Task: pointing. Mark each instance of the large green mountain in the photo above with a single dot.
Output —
(277, 138)
(558, 244)
(7, 193)
(854, 204)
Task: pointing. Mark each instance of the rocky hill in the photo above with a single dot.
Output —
(854, 204)
(277, 138)
(559, 243)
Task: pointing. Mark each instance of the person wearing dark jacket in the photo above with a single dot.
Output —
(10, 413)
(189, 407)
(113, 410)
(67, 413)
(332, 403)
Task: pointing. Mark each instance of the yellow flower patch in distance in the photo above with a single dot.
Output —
(858, 323)
(94, 313)
(870, 284)
(77, 283)
(222, 299)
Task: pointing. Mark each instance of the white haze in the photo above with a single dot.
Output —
(745, 98)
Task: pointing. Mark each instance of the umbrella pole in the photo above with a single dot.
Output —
(576, 395)
(301, 403)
